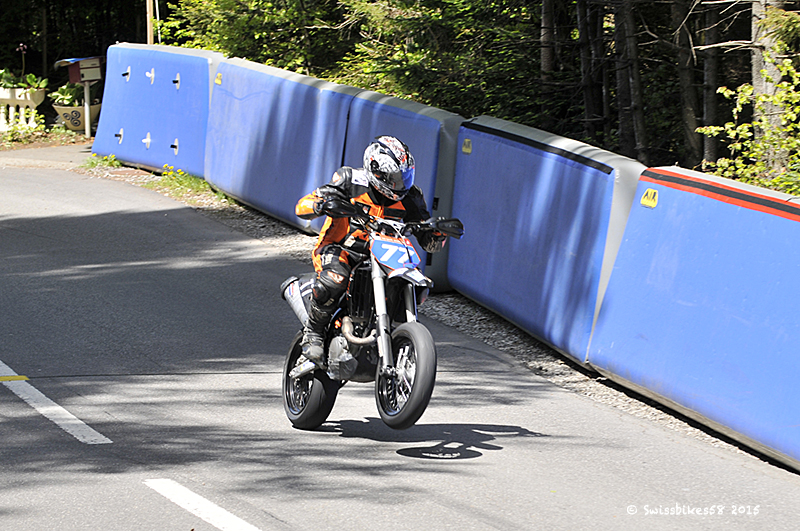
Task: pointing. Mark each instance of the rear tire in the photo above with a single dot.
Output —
(307, 400)
(403, 397)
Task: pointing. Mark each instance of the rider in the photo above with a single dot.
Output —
(384, 188)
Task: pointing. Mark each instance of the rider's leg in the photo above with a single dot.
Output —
(329, 286)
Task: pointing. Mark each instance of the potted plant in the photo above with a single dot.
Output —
(68, 102)
(8, 81)
(24, 93)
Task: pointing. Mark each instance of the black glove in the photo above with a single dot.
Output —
(431, 240)
(337, 208)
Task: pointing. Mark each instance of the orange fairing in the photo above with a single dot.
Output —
(305, 207)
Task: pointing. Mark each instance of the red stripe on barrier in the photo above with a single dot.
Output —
(723, 193)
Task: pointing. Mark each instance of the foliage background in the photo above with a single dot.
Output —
(472, 57)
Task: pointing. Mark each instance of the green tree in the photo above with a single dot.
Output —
(764, 137)
(470, 57)
(753, 145)
(305, 36)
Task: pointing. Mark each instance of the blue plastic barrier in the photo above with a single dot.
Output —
(274, 136)
(540, 231)
(424, 129)
(155, 106)
(430, 134)
(701, 310)
(673, 310)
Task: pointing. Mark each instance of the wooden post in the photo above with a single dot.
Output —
(87, 115)
(45, 67)
(149, 21)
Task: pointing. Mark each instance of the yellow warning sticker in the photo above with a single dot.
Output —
(218, 79)
(650, 198)
(466, 146)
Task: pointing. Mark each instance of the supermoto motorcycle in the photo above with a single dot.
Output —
(374, 334)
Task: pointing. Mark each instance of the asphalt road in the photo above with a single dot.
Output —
(140, 350)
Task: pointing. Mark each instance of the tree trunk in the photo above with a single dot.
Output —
(627, 140)
(711, 82)
(763, 43)
(689, 101)
(590, 104)
(548, 43)
(45, 62)
(637, 105)
(548, 61)
(601, 69)
(776, 160)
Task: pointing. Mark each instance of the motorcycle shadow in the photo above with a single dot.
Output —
(450, 441)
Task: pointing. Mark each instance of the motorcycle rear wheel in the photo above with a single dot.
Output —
(403, 396)
(307, 400)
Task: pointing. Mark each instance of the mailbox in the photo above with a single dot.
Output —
(82, 70)
(86, 72)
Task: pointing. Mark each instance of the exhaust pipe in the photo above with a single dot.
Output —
(347, 332)
(292, 292)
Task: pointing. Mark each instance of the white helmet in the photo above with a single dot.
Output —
(389, 167)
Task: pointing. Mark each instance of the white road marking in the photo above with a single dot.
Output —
(199, 506)
(64, 419)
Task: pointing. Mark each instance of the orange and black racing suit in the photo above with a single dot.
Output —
(331, 260)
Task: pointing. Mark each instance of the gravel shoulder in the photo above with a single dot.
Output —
(451, 309)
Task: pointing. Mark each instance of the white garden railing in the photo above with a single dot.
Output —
(17, 106)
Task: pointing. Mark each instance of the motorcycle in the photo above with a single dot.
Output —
(374, 334)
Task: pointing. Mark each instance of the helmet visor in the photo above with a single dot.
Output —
(399, 181)
(408, 177)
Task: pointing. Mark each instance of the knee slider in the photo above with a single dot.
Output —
(330, 285)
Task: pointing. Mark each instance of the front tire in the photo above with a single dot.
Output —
(403, 396)
(307, 400)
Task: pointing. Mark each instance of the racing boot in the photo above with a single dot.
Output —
(313, 343)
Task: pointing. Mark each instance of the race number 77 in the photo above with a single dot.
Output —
(391, 249)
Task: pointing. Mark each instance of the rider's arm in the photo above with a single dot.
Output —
(414, 203)
(309, 206)
(416, 210)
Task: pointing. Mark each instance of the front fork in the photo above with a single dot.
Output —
(382, 323)
(382, 320)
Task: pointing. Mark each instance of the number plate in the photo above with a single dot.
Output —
(394, 253)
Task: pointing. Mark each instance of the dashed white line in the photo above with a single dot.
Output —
(199, 506)
(61, 417)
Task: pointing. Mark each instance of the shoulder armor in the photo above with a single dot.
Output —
(342, 174)
(359, 177)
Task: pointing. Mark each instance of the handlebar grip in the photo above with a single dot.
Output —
(337, 208)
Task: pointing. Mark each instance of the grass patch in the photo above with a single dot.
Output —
(109, 161)
(21, 136)
(186, 187)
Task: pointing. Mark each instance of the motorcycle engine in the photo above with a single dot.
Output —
(341, 363)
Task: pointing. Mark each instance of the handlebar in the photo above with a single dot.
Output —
(338, 208)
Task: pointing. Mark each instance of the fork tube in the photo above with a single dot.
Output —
(382, 315)
(411, 303)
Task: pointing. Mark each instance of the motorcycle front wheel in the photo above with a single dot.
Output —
(402, 394)
(309, 399)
